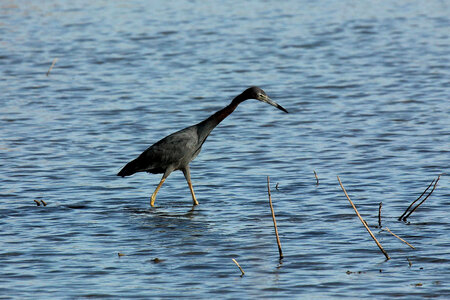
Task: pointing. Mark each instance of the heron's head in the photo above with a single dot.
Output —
(257, 93)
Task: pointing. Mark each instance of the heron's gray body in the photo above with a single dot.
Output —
(174, 152)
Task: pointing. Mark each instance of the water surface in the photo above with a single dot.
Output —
(367, 89)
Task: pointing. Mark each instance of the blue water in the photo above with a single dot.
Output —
(367, 88)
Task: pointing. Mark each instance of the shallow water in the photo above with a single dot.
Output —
(367, 89)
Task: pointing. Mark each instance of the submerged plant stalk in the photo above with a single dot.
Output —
(363, 222)
(237, 264)
(274, 220)
(401, 217)
(429, 194)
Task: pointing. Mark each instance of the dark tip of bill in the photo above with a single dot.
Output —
(282, 108)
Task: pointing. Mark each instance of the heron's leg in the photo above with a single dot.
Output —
(153, 197)
(187, 175)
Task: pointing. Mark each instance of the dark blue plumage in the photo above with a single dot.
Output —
(177, 150)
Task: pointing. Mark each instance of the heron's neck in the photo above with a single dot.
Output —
(209, 124)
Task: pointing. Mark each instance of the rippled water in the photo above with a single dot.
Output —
(367, 88)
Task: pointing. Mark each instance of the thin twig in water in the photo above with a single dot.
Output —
(409, 262)
(388, 230)
(43, 203)
(237, 264)
(37, 203)
(429, 194)
(401, 217)
(317, 178)
(273, 218)
(365, 222)
(51, 67)
(362, 221)
(379, 214)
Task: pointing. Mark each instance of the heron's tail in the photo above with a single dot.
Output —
(129, 169)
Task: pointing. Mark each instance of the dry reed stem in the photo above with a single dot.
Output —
(51, 67)
(317, 178)
(273, 218)
(379, 214)
(44, 203)
(429, 194)
(37, 203)
(363, 222)
(401, 217)
(388, 230)
(237, 264)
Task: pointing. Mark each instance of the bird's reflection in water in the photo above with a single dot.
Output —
(162, 212)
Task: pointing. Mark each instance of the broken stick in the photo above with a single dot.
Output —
(388, 230)
(51, 67)
(379, 214)
(401, 217)
(274, 220)
(363, 222)
(432, 190)
(317, 177)
(237, 264)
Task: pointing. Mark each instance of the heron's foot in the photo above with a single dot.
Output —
(152, 200)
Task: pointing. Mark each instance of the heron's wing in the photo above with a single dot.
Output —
(175, 150)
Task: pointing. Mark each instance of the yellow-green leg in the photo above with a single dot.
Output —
(192, 193)
(153, 197)
(187, 175)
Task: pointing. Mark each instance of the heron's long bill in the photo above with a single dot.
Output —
(273, 103)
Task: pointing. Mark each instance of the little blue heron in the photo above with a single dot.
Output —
(176, 151)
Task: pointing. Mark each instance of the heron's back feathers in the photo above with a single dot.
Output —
(173, 152)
